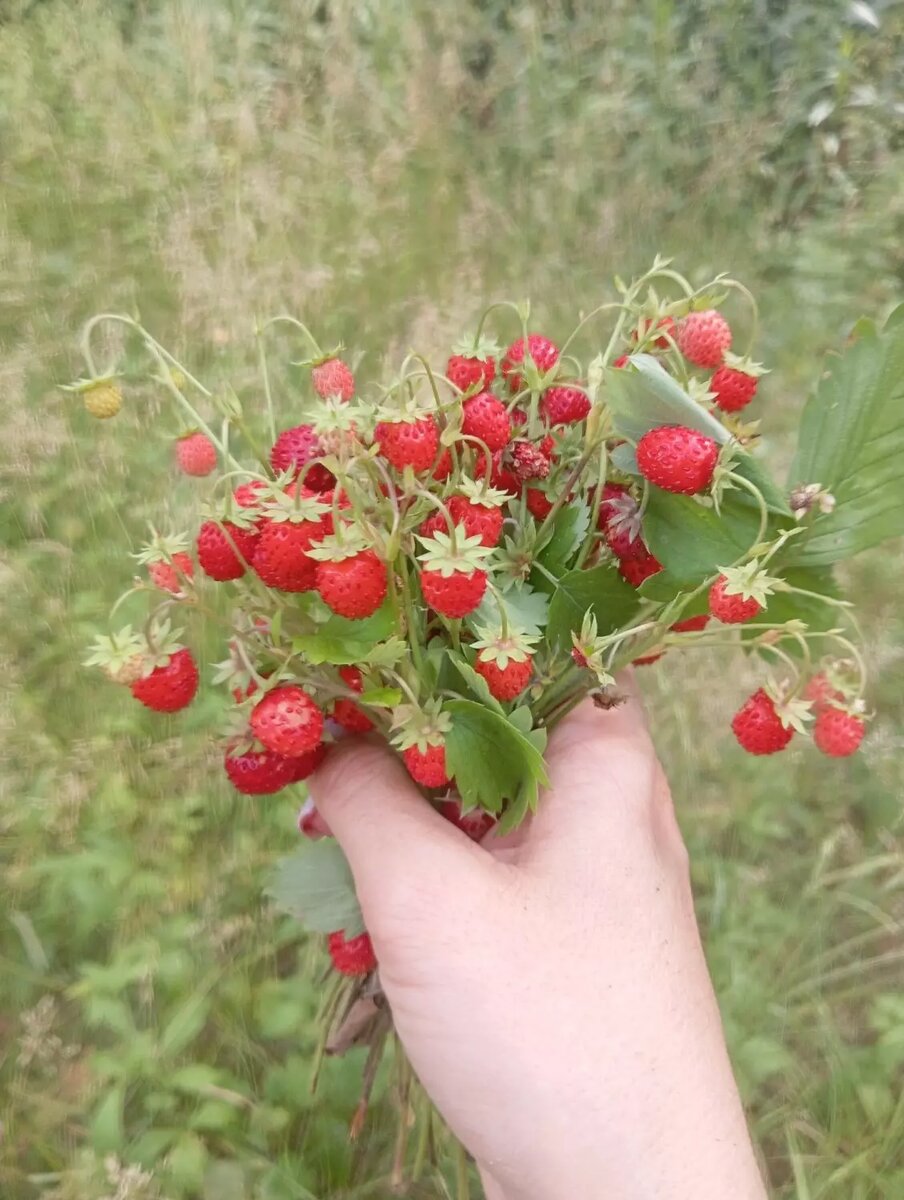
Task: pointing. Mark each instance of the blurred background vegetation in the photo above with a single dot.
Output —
(382, 168)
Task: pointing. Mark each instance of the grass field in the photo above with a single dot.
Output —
(382, 170)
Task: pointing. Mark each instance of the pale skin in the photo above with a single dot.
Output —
(550, 987)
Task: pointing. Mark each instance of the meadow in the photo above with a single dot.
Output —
(382, 170)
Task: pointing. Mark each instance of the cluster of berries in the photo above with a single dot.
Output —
(434, 525)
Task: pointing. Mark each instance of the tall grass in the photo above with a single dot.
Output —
(383, 169)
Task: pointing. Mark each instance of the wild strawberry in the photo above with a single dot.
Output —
(294, 449)
(759, 728)
(731, 609)
(636, 570)
(505, 683)
(345, 711)
(529, 461)
(703, 338)
(821, 692)
(258, 772)
(477, 520)
(333, 377)
(666, 324)
(353, 587)
(171, 686)
(620, 521)
(249, 495)
(564, 405)
(224, 549)
(306, 764)
(428, 767)
(102, 399)
(408, 443)
(311, 823)
(622, 360)
(691, 624)
(501, 477)
(287, 721)
(543, 353)
(484, 416)
(171, 576)
(455, 594)
(353, 957)
(281, 559)
(677, 459)
(837, 733)
(467, 373)
(196, 454)
(733, 389)
(476, 824)
(539, 504)
(443, 468)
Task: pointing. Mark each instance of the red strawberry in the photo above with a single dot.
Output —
(248, 495)
(544, 353)
(170, 577)
(287, 721)
(691, 624)
(345, 711)
(666, 324)
(258, 772)
(622, 360)
(758, 727)
(505, 683)
(355, 587)
(466, 373)
(311, 823)
(333, 377)
(647, 659)
(443, 468)
(217, 546)
(733, 389)
(731, 610)
(169, 688)
(294, 449)
(500, 476)
(408, 443)
(454, 595)
(837, 733)
(476, 824)
(636, 570)
(564, 405)
(428, 768)
(196, 454)
(477, 520)
(677, 459)
(821, 692)
(611, 492)
(353, 957)
(280, 559)
(529, 461)
(703, 338)
(538, 503)
(485, 416)
(306, 764)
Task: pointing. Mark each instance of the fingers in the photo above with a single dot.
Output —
(385, 826)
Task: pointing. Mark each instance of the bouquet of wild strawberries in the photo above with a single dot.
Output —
(453, 559)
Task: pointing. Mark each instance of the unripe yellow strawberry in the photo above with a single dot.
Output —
(103, 400)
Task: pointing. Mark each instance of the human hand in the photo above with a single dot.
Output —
(550, 987)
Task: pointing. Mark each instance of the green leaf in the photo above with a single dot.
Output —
(372, 629)
(515, 813)
(692, 540)
(602, 589)
(186, 1161)
(525, 608)
(644, 396)
(786, 606)
(184, 1027)
(852, 443)
(488, 756)
(475, 683)
(320, 648)
(569, 528)
(224, 1179)
(386, 697)
(106, 1124)
(315, 885)
(750, 468)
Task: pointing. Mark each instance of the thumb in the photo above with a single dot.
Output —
(391, 835)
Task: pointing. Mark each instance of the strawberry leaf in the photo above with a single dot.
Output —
(852, 443)
(644, 396)
(602, 590)
(692, 540)
(319, 648)
(525, 609)
(475, 683)
(569, 529)
(488, 756)
(315, 885)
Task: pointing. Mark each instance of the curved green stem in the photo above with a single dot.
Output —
(286, 319)
(754, 491)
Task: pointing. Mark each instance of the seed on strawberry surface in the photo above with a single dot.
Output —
(170, 687)
(333, 377)
(677, 459)
(837, 733)
(280, 559)
(287, 721)
(427, 767)
(703, 338)
(485, 416)
(353, 587)
(352, 956)
(408, 443)
(758, 727)
(733, 389)
(505, 683)
(470, 372)
(636, 570)
(345, 711)
(258, 772)
(294, 449)
(731, 609)
(224, 549)
(543, 353)
(564, 405)
(196, 454)
(454, 595)
(171, 576)
(539, 504)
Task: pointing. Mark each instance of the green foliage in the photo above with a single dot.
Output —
(692, 540)
(492, 757)
(601, 590)
(315, 886)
